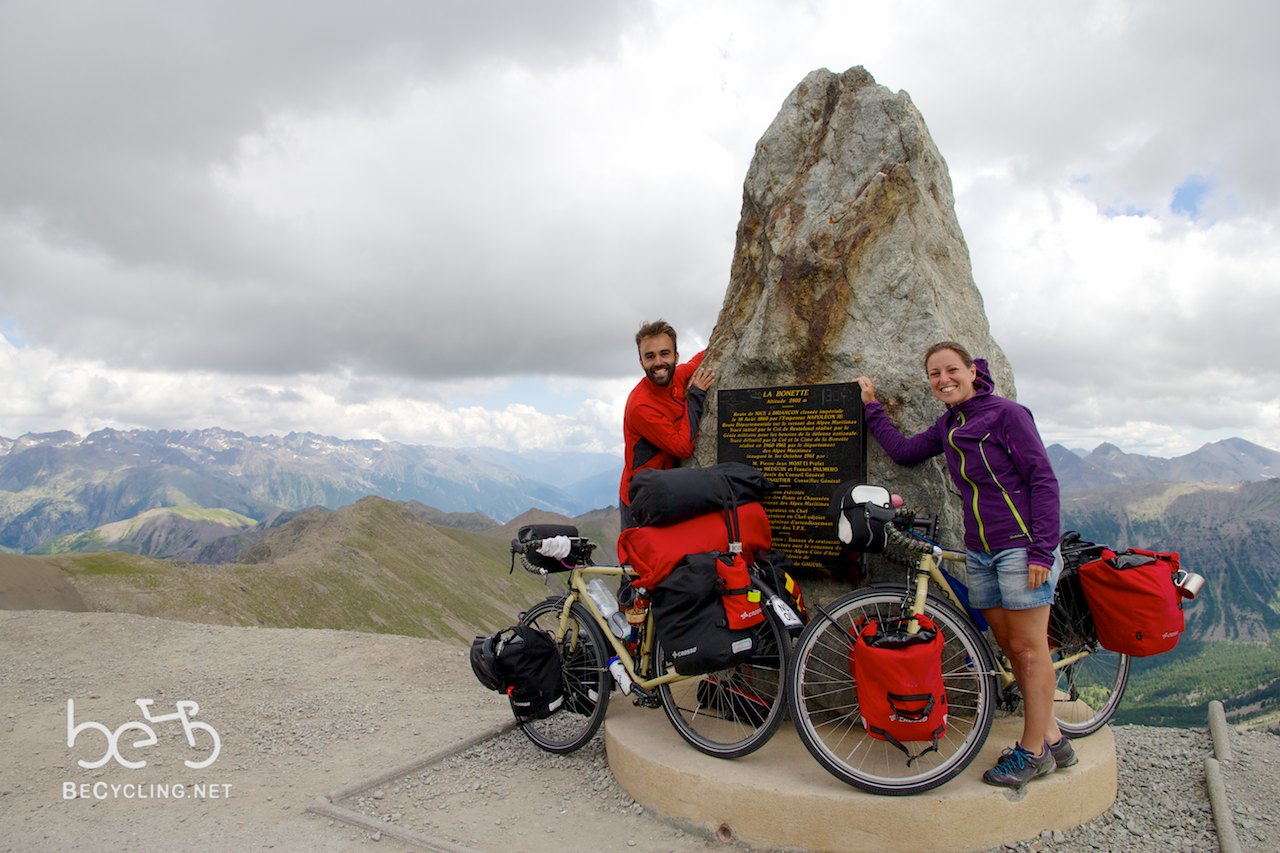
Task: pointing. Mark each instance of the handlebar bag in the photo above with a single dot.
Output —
(861, 526)
(579, 548)
(523, 663)
(659, 497)
(691, 621)
(653, 552)
(1136, 607)
(898, 679)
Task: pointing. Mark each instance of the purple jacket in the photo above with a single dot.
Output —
(997, 461)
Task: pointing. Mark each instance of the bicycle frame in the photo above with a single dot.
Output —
(727, 712)
(638, 670)
(928, 570)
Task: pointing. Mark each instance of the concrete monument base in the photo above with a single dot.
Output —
(781, 797)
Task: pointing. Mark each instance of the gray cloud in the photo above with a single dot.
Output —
(316, 210)
(446, 225)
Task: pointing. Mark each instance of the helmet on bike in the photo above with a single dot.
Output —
(484, 660)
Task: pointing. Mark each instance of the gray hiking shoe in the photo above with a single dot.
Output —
(1017, 767)
(1064, 754)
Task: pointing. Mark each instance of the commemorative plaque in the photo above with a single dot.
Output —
(807, 439)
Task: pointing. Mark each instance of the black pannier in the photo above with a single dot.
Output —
(660, 497)
(689, 615)
(1070, 619)
(523, 663)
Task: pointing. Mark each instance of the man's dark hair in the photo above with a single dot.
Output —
(657, 327)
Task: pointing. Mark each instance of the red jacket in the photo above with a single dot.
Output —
(660, 424)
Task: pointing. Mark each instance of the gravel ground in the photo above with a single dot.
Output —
(1163, 804)
(302, 713)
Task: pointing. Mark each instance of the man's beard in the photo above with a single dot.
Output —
(665, 380)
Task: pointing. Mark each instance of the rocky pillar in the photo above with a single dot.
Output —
(850, 261)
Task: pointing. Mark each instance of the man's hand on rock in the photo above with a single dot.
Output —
(702, 379)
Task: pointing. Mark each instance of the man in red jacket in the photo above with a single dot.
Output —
(660, 424)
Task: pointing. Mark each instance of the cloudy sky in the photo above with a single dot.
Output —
(441, 222)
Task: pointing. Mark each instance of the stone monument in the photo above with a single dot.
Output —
(849, 261)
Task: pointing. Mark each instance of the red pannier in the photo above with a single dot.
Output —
(898, 678)
(1136, 606)
(654, 551)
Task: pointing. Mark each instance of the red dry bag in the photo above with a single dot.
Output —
(898, 678)
(741, 603)
(1136, 607)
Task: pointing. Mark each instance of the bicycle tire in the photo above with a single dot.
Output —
(584, 657)
(822, 695)
(1088, 691)
(729, 713)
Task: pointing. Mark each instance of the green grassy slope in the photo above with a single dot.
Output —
(373, 566)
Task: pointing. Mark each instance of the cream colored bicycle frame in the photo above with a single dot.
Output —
(578, 592)
(927, 570)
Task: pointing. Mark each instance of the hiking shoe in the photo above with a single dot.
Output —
(1064, 754)
(1018, 766)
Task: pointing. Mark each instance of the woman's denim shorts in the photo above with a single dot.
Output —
(1000, 580)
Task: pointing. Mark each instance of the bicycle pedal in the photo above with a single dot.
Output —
(647, 700)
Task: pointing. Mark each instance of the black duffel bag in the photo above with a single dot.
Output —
(660, 497)
(689, 616)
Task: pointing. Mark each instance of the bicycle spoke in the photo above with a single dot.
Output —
(586, 679)
(822, 696)
(734, 711)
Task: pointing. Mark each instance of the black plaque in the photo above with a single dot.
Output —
(807, 439)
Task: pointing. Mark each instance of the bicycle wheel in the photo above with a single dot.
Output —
(1090, 689)
(584, 657)
(824, 702)
(732, 712)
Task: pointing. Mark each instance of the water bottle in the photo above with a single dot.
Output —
(620, 674)
(607, 603)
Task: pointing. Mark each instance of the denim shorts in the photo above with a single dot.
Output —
(1000, 580)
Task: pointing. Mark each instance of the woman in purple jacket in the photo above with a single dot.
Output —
(998, 462)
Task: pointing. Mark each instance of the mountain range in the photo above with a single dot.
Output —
(53, 484)
(255, 531)
(373, 565)
(60, 484)
(1231, 460)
